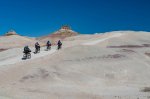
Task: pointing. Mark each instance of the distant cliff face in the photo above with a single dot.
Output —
(62, 33)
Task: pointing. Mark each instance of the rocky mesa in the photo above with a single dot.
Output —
(64, 32)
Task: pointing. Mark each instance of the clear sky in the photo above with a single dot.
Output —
(41, 17)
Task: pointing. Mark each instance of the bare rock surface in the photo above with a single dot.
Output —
(113, 65)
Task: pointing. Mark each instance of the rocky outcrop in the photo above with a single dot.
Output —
(11, 32)
(64, 32)
(61, 34)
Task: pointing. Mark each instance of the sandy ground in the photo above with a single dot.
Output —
(113, 65)
(17, 57)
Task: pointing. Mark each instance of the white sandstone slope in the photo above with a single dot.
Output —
(14, 41)
(116, 65)
(16, 58)
(101, 40)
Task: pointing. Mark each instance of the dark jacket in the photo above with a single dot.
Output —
(59, 43)
(37, 45)
(26, 50)
(48, 43)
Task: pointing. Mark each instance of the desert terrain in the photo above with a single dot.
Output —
(112, 65)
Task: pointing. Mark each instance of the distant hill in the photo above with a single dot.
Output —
(12, 40)
(61, 34)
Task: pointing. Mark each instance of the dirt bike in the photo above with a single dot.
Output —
(48, 48)
(27, 56)
(37, 50)
(59, 47)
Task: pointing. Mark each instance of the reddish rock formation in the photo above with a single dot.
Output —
(61, 34)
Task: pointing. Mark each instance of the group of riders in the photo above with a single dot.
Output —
(27, 50)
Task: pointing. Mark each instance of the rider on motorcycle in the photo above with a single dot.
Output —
(48, 44)
(59, 44)
(26, 50)
(37, 47)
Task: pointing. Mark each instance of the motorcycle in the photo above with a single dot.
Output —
(37, 50)
(59, 47)
(48, 48)
(27, 56)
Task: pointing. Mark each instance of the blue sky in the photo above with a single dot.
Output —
(41, 17)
